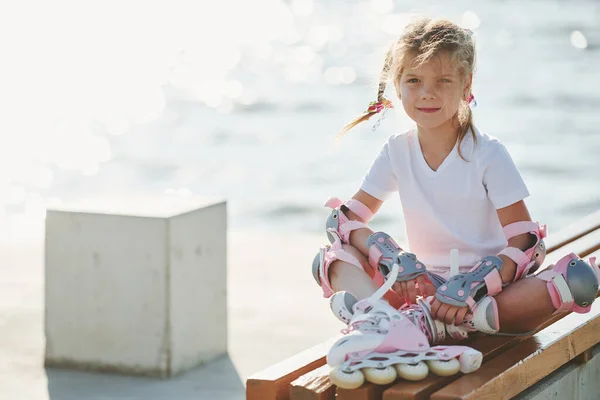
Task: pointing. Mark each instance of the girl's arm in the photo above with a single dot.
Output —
(514, 213)
(358, 238)
(406, 290)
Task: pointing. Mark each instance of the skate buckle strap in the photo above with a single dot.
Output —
(466, 289)
(384, 252)
(572, 284)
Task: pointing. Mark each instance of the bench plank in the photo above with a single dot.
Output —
(368, 391)
(489, 346)
(582, 246)
(273, 383)
(573, 232)
(314, 385)
(531, 361)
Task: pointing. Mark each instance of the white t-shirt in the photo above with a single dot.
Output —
(453, 207)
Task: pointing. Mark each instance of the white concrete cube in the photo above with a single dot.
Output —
(136, 285)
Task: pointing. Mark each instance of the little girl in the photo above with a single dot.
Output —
(459, 189)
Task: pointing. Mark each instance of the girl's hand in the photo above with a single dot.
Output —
(451, 315)
(409, 290)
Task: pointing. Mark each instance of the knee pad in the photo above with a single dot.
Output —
(384, 252)
(340, 223)
(323, 260)
(572, 284)
(530, 260)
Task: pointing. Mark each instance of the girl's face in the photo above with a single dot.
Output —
(431, 93)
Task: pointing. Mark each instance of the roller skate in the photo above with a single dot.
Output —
(381, 343)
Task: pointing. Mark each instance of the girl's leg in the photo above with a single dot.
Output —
(347, 277)
(524, 305)
(569, 285)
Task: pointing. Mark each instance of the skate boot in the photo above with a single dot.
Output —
(382, 343)
(483, 318)
(342, 305)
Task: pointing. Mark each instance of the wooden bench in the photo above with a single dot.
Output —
(512, 365)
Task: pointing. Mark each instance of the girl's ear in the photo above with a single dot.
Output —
(468, 87)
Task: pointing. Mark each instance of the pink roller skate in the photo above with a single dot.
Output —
(382, 343)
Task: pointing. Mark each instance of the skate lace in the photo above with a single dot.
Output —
(416, 314)
(370, 321)
(369, 315)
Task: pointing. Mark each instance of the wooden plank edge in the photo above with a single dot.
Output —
(535, 358)
(585, 357)
(581, 246)
(314, 385)
(574, 231)
(273, 383)
(366, 392)
(489, 346)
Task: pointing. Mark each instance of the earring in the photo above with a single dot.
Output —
(471, 100)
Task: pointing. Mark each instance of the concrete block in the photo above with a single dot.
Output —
(136, 285)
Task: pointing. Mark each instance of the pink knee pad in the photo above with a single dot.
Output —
(327, 255)
(572, 284)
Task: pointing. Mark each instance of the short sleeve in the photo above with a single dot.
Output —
(502, 180)
(380, 181)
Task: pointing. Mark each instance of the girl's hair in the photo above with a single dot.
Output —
(421, 41)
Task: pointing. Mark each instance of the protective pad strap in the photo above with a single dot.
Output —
(531, 259)
(354, 205)
(524, 263)
(340, 223)
(347, 227)
(559, 291)
(359, 209)
(572, 284)
(329, 254)
(384, 252)
(521, 227)
(466, 289)
(516, 255)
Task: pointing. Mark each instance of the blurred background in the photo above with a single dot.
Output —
(242, 100)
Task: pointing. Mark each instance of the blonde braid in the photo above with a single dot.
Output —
(383, 78)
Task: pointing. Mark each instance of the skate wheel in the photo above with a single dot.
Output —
(346, 380)
(470, 360)
(380, 376)
(444, 368)
(412, 372)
